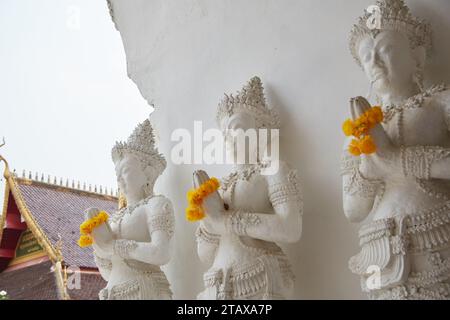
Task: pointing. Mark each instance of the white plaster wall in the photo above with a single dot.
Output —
(184, 54)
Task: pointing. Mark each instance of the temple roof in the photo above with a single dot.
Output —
(39, 229)
(59, 211)
(38, 282)
(53, 213)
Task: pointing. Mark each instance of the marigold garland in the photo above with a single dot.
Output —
(359, 128)
(85, 241)
(195, 197)
(87, 226)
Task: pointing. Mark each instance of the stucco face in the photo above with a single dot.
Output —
(236, 127)
(130, 176)
(388, 61)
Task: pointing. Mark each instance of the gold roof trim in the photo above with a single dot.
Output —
(5, 207)
(54, 254)
(41, 237)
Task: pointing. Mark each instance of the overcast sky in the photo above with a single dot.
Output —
(65, 97)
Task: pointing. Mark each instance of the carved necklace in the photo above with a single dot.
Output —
(128, 210)
(229, 182)
(414, 102)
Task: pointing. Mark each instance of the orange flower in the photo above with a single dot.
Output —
(348, 127)
(209, 188)
(85, 241)
(86, 227)
(190, 195)
(194, 213)
(353, 148)
(367, 145)
(374, 116)
(377, 113)
(371, 120)
(197, 199)
(202, 191)
(215, 182)
(102, 216)
(359, 128)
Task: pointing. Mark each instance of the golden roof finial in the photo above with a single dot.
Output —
(58, 246)
(6, 172)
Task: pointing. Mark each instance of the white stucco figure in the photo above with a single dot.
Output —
(402, 191)
(137, 239)
(239, 235)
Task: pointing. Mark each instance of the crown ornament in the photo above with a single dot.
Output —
(391, 15)
(141, 143)
(251, 100)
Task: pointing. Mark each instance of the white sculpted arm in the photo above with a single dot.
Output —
(359, 193)
(426, 162)
(285, 225)
(207, 243)
(160, 221)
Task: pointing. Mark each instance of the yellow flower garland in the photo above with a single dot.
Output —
(194, 211)
(87, 226)
(359, 128)
(85, 241)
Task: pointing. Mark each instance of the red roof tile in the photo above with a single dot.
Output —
(37, 282)
(90, 286)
